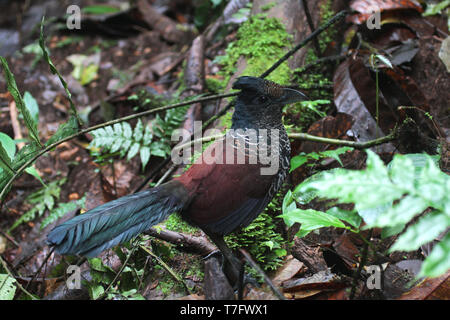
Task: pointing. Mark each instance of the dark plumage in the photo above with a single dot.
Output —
(216, 197)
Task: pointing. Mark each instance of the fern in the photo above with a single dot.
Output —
(7, 287)
(42, 199)
(61, 210)
(153, 139)
(385, 197)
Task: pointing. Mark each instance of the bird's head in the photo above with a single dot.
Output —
(261, 101)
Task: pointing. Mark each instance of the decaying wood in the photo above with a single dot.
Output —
(311, 257)
(161, 23)
(194, 78)
(199, 245)
(216, 285)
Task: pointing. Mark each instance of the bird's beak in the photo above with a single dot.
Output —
(291, 95)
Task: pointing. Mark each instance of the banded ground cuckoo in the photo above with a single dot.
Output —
(217, 196)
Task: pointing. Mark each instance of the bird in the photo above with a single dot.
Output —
(225, 189)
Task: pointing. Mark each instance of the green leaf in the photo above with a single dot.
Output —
(335, 153)
(438, 262)
(312, 219)
(32, 171)
(437, 8)
(133, 150)
(32, 106)
(401, 212)
(384, 60)
(350, 217)
(61, 210)
(424, 231)
(64, 130)
(42, 199)
(12, 88)
(7, 287)
(7, 151)
(100, 9)
(298, 161)
(145, 156)
(96, 291)
(55, 71)
(138, 131)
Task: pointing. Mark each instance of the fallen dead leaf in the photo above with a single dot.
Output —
(430, 289)
(287, 271)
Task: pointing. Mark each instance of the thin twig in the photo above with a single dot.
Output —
(318, 31)
(16, 282)
(102, 125)
(266, 278)
(354, 144)
(311, 27)
(319, 61)
(40, 268)
(307, 137)
(165, 266)
(357, 273)
(135, 244)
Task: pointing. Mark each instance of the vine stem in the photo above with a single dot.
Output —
(307, 137)
(105, 124)
(165, 266)
(17, 282)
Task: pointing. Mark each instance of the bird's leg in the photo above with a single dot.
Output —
(233, 262)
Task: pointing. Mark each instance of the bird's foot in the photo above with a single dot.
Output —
(247, 279)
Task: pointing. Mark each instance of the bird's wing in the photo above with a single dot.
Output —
(225, 196)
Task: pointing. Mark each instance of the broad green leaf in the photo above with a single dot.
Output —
(350, 217)
(390, 231)
(12, 88)
(96, 291)
(312, 219)
(402, 212)
(424, 231)
(370, 215)
(298, 161)
(438, 262)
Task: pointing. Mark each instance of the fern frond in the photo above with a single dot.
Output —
(153, 139)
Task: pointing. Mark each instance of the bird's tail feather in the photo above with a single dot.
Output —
(117, 221)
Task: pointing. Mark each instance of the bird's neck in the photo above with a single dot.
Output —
(243, 120)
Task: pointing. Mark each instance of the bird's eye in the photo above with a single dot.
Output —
(263, 99)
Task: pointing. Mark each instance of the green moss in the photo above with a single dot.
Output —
(261, 239)
(214, 85)
(305, 117)
(262, 41)
(176, 223)
(268, 6)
